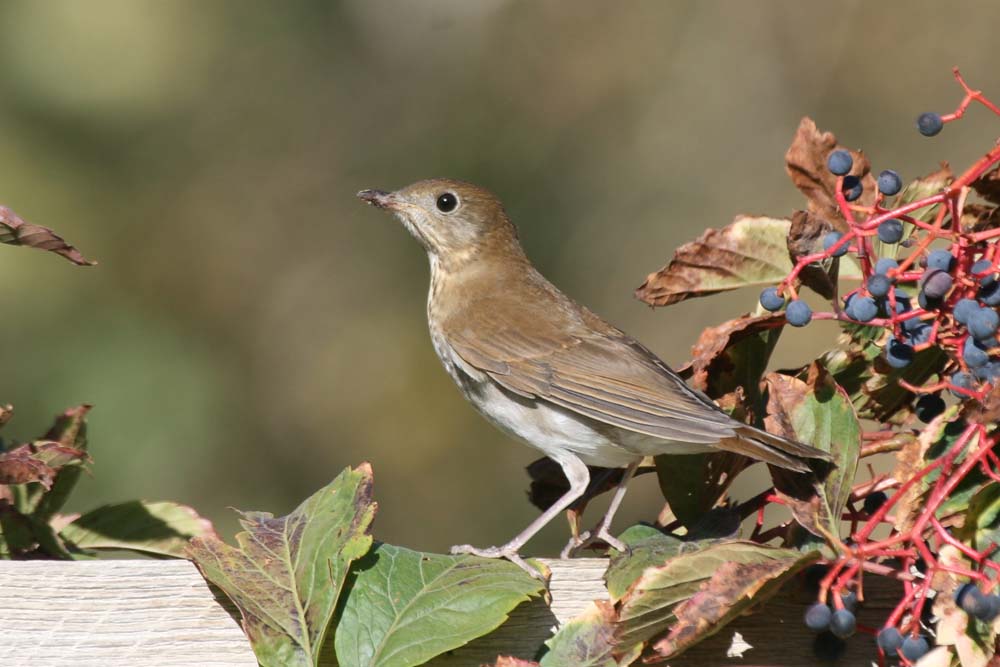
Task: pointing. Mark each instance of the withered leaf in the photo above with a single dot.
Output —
(979, 218)
(588, 640)
(15, 231)
(987, 186)
(38, 462)
(749, 251)
(732, 588)
(805, 237)
(287, 573)
(805, 162)
(70, 430)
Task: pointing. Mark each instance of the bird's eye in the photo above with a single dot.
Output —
(447, 202)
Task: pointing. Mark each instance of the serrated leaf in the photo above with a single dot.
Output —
(648, 547)
(817, 412)
(38, 462)
(588, 640)
(287, 573)
(749, 251)
(15, 231)
(400, 601)
(157, 528)
(655, 601)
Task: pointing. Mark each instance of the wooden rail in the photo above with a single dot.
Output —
(126, 613)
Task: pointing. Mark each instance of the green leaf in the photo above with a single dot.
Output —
(404, 607)
(982, 520)
(817, 412)
(724, 576)
(287, 573)
(749, 251)
(649, 547)
(588, 641)
(158, 528)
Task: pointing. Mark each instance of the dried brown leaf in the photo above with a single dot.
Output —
(715, 367)
(38, 462)
(805, 237)
(979, 218)
(987, 186)
(749, 251)
(805, 162)
(15, 231)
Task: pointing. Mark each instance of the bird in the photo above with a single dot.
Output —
(548, 371)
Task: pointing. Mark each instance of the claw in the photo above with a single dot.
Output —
(506, 551)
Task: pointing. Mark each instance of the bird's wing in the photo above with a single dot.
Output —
(600, 372)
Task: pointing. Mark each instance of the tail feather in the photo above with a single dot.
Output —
(774, 449)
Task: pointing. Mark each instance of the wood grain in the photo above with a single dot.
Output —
(162, 614)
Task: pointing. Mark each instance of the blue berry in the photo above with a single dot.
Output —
(914, 648)
(918, 332)
(832, 239)
(843, 623)
(928, 407)
(963, 380)
(898, 354)
(990, 609)
(889, 184)
(963, 309)
(942, 260)
(929, 123)
(971, 599)
(879, 286)
(873, 501)
(884, 265)
(926, 302)
(974, 354)
(985, 267)
(990, 294)
(891, 230)
(937, 283)
(771, 300)
(863, 309)
(798, 313)
(988, 372)
(818, 617)
(840, 162)
(889, 640)
(983, 323)
(852, 188)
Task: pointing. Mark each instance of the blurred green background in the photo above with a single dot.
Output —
(252, 328)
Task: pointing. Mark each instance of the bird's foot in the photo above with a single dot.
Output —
(578, 543)
(506, 551)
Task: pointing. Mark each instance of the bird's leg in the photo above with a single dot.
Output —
(579, 477)
(602, 532)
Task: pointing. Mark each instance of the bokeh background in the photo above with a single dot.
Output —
(252, 328)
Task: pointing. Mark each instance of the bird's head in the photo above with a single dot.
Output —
(452, 220)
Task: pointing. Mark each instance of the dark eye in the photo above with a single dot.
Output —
(447, 202)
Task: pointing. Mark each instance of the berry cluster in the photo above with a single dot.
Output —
(928, 282)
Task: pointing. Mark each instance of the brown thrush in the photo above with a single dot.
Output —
(546, 370)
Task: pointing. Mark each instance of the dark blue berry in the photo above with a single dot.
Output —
(983, 323)
(963, 380)
(918, 332)
(898, 354)
(942, 260)
(889, 640)
(990, 608)
(928, 407)
(914, 648)
(929, 123)
(852, 188)
(843, 623)
(889, 184)
(970, 599)
(771, 300)
(985, 268)
(884, 265)
(873, 501)
(891, 230)
(798, 313)
(879, 286)
(963, 309)
(840, 162)
(975, 353)
(988, 372)
(832, 239)
(864, 309)
(926, 302)
(818, 617)
(937, 283)
(990, 294)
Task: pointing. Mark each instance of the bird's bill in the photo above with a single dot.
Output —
(378, 198)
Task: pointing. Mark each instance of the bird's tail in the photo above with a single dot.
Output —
(776, 450)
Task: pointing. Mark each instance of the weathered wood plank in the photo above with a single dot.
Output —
(162, 614)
